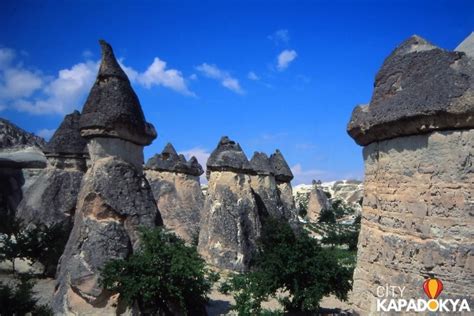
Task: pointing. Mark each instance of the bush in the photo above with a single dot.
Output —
(18, 299)
(291, 262)
(327, 216)
(162, 276)
(38, 244)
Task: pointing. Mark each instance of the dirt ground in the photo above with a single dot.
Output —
(219, 303)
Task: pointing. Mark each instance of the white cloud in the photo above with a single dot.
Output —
(45, 133)
(285, 58)
(63, 94)
(158, 75)
(280, 36)
(227, 81)
(35, 93)
(306, 176)
(253, 76)
(193, 77)
(201, 155)
(6, 57)
(19, 83)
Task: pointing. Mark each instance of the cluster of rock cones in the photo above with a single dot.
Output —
(93, 180)
(418, 207)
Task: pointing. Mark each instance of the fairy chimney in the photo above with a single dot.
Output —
(177, 191)
(418, 138)
(230, 223)
(115, 198)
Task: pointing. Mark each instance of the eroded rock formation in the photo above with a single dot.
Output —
(230, 221)
(177, 190)
(115, 198)
(264, 186)
(283, 177)
(418, 206)
(52, 198)
(21, 162)
(318, 201)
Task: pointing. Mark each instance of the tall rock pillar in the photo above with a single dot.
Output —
(265, 188)
(115, 198)
(52, 198)
(283, 177)
(418, 138)
(177, 190)
(230, 223)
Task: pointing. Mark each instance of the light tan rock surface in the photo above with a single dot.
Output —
(418, 206)
(180, 201)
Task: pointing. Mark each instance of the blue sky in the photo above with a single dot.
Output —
(269, 74)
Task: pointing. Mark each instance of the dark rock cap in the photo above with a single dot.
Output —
(112, 108)
(228, 156)
(420, 88)
(261, 164)
(282, 170)
(67, 139)
(170, 161)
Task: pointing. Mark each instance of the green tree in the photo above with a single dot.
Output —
(17, 299)
(163, 276)
(291, 262)
(38, 244)
(327, 216)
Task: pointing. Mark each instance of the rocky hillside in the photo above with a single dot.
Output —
(12, 135)
(348, 191)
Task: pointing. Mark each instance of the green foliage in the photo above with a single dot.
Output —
(295, 263)
(302, 204)
(327, 216)
(163, 270)
(18, 299)
(38, 244)
(347, 237)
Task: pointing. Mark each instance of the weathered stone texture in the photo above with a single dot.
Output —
(230, 223)
(105, 227)
(318, 201)
(180, 201)
(419, 88)
(115, 199)
(264, 186)
(112, 108)
(51, 199)
(418, 214)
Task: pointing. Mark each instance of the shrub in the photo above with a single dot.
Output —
(327, 216)
(38, 244)
(18, 299)
(291, 262)
(162, 275)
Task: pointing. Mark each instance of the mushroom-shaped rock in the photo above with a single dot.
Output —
(261, 164)
(67, 140)
(115, 200)
(283, 177)
(265, 188)
(418, 137)
(282, 170)
(112, 108)
(228, 156)
(51, 199)
(170, 161)
(230, 223)
(177, 191)
(408, 101)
